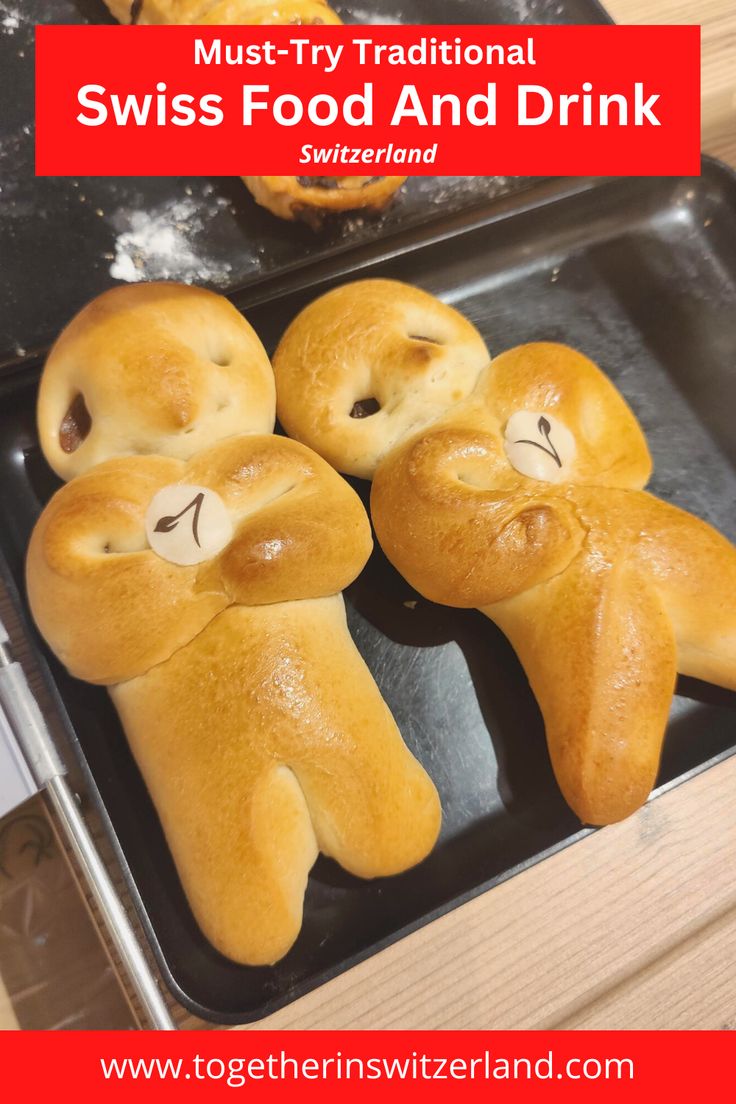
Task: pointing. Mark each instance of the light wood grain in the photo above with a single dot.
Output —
(632, 926)
(718, 21)
(8, 1020)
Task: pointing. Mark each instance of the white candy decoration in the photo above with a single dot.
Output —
(539, 446)
(187, 525)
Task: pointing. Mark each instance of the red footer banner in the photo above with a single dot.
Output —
(367, 1066)
(468, 100)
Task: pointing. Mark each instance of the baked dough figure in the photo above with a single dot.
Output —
(260, 732)
(604, 591)
(287, 197)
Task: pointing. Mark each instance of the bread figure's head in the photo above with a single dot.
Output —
(159, 368)
(369, 364)
(374, 365)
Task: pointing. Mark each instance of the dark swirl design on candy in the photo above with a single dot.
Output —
(168, 524)
(545, 430)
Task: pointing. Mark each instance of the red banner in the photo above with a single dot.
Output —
(368, 1066)
(480, 100)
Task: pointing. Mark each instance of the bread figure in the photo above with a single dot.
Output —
(308, 198)
(515, 485)
(193, 565)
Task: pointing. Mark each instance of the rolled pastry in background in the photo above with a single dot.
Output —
(194, 565)
(309, 199)
(146, 13)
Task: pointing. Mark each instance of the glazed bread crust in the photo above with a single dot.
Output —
(287, 197)
(373, 340)
(255, 12)
(291, 197)
(96, 587)
(156, 368)
(303, 756)
(604, 591)
(258, 728)
(256, 725)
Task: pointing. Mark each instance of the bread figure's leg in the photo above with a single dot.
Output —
(694, 568)
(599, 651)
(263, 739)
(235, 819)
(373, 807)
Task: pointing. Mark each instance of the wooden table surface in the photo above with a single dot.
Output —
(633, 927)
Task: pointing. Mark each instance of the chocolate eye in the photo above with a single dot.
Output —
(427, 340)
(75, 425)
(365, 408)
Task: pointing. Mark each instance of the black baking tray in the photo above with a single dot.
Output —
(68, 239)
(640, 275)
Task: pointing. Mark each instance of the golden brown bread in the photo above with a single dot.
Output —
(376, 342)
(287, 197)
(255, 723)
(311, 198)
(256, 12)
(250, 785)
(604, 591)
(155, 368)
(89, 552)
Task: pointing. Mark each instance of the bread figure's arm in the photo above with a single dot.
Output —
(109, 607)
(97, 587)
(599, 650)
(454, 520)
(300, 530)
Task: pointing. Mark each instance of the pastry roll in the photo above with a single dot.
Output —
(193, 564)
(516, 485)
(220, 12)
(311, 198)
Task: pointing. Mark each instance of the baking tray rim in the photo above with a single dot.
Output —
(545, 191)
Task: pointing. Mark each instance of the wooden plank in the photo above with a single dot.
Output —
(8, 1021)
(691, 987)
(559, 942)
